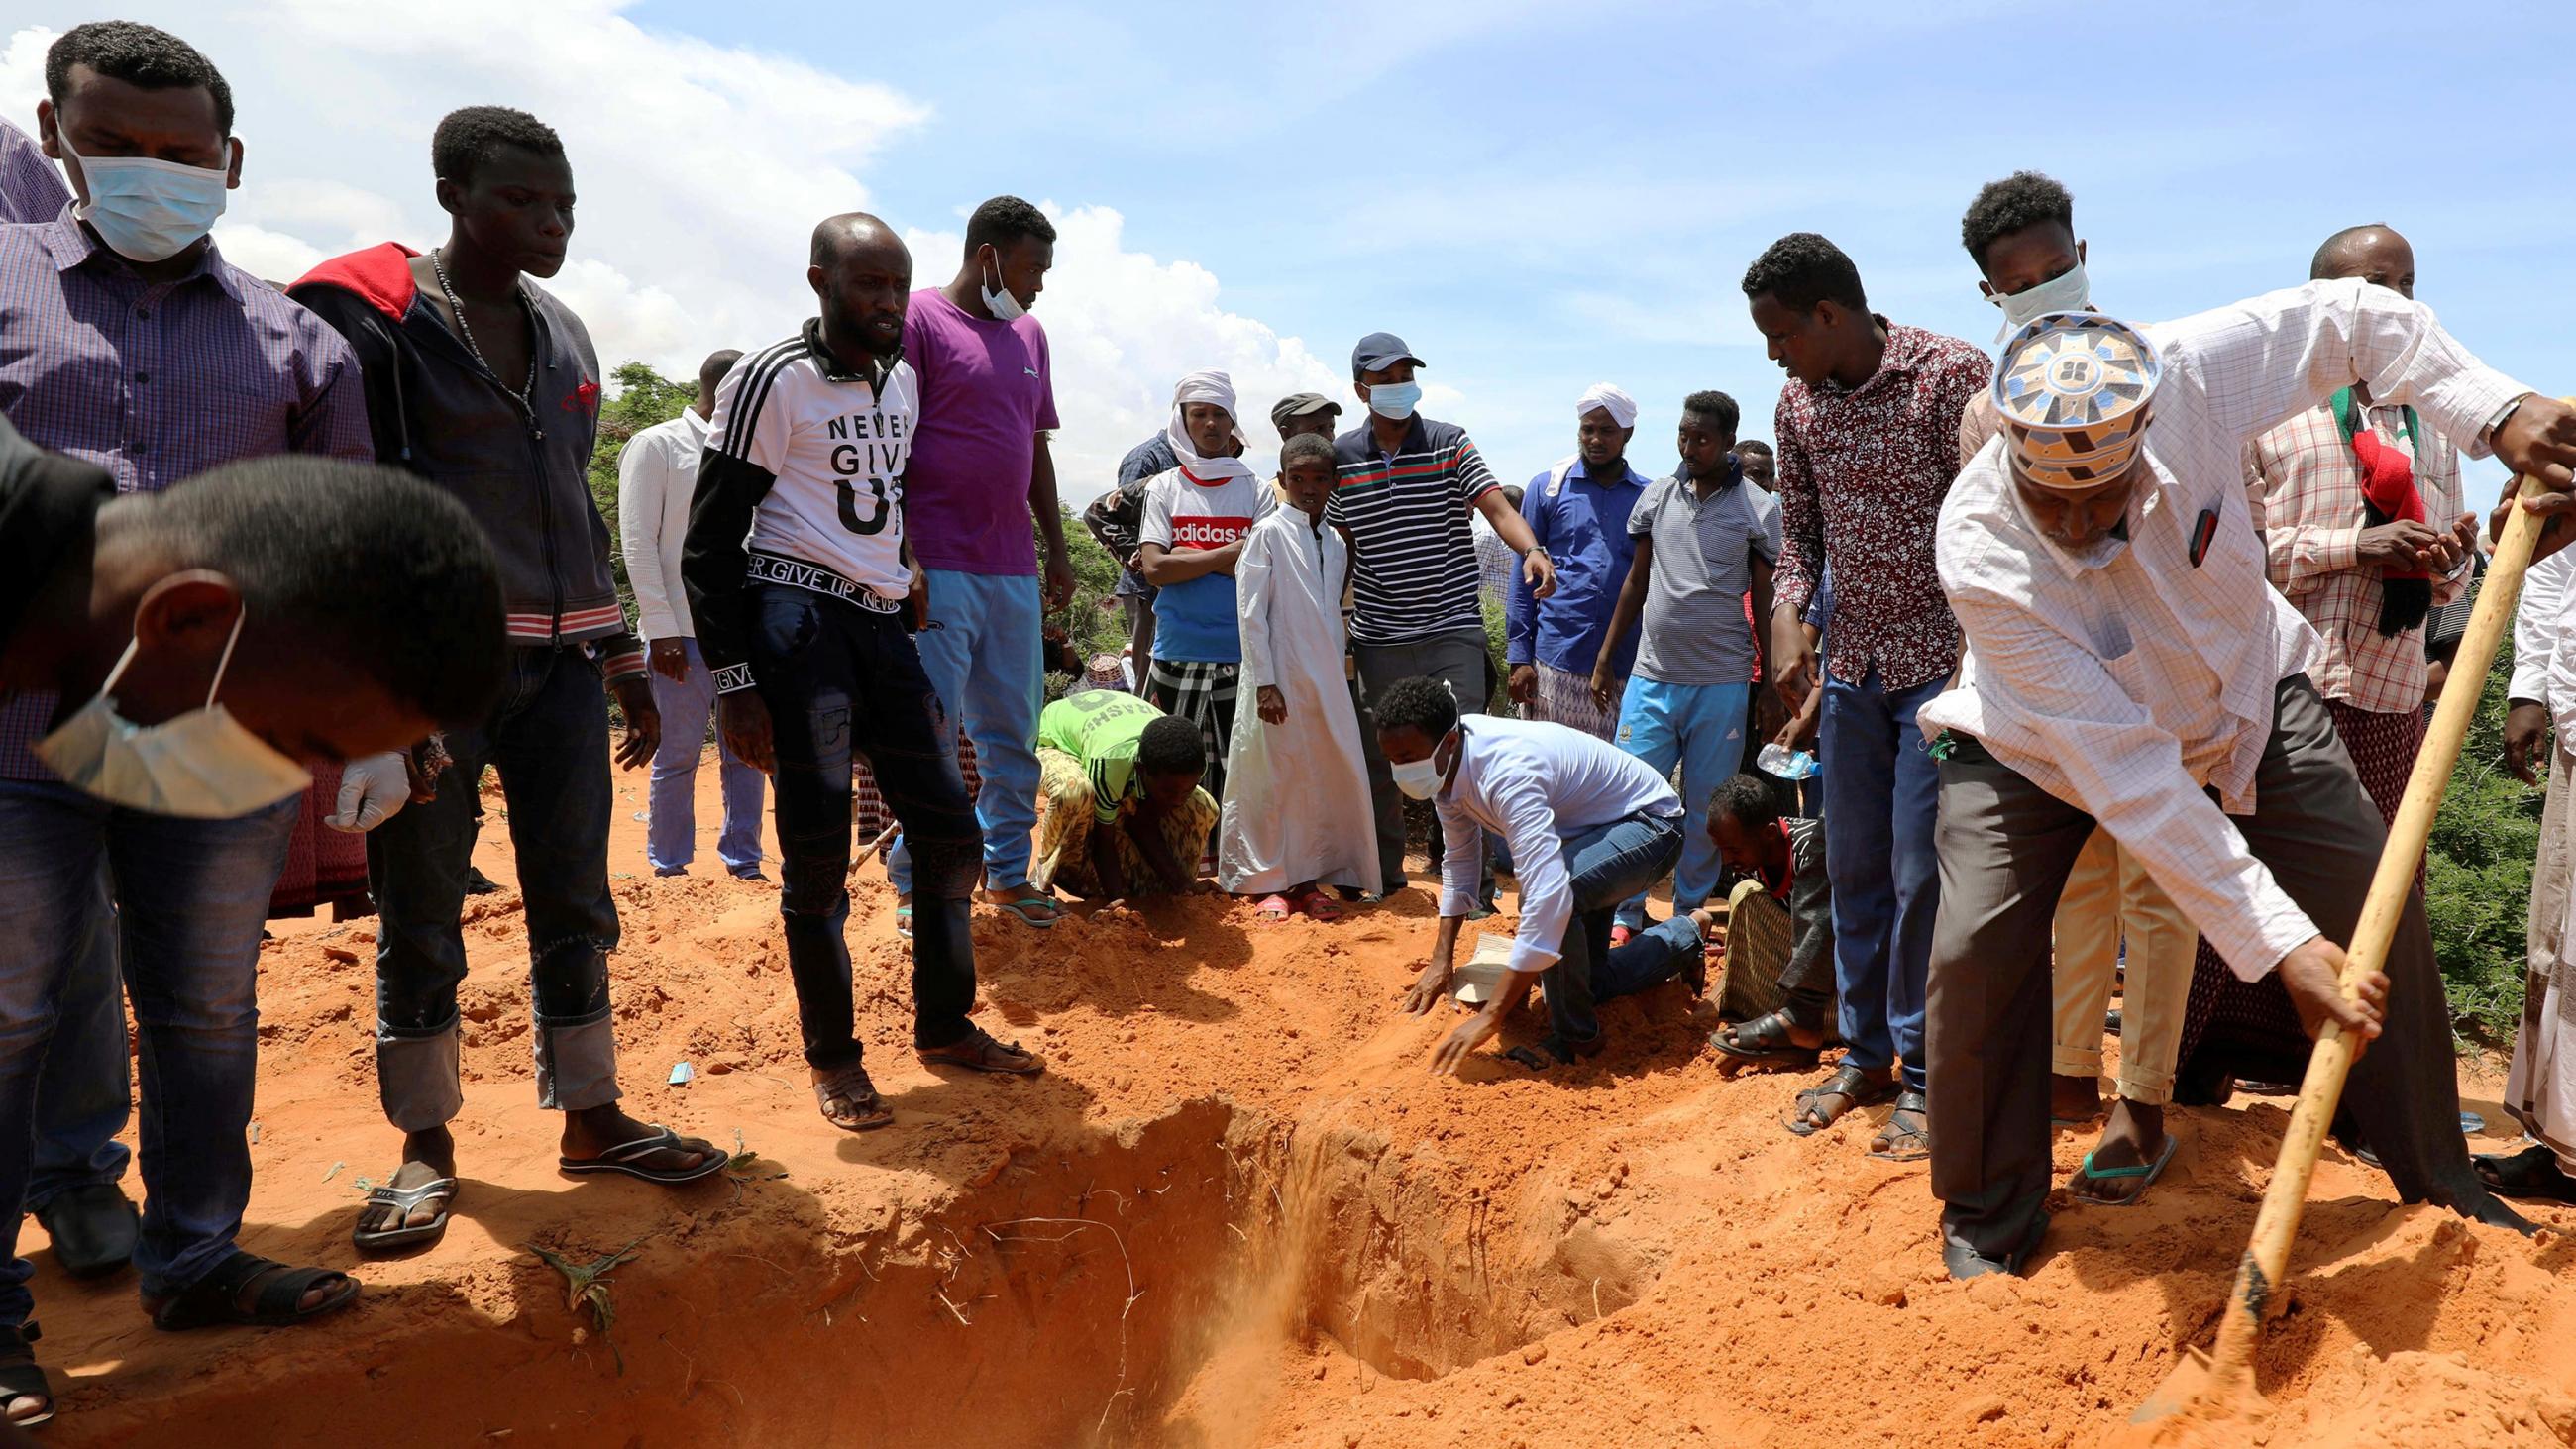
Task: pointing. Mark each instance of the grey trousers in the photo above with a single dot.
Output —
(2006, 847)
(1457, 657)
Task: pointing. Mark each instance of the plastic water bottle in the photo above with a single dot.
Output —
(1777, 759)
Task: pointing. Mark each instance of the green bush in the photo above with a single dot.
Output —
(2478, 876)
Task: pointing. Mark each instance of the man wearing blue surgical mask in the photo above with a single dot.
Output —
(1404, 489)
(129, 342)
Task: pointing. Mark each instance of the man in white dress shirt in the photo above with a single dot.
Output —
(1589, 825)
(657, 474)
(2128, 665)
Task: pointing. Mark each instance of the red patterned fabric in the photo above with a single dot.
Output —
(868, 812)
(323, 865)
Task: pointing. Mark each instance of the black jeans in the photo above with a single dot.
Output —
(549, 740)
(843, 683)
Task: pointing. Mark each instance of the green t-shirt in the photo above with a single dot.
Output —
(1100, 727)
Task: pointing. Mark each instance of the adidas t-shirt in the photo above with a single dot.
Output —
(834, 445)
(1194, 620)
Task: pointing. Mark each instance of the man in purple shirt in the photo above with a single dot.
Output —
(979, 471)
(129, 342)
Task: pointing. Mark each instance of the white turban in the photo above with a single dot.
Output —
(1610, 398)
(1205, 387)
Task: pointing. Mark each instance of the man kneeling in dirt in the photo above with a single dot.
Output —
(1589, 826)
(1779, 986)
(1106, 759)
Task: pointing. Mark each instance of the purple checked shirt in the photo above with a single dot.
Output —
(157, 382)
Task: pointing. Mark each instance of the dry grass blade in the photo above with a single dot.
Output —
(586, 1286)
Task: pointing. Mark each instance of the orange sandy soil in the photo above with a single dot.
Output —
(1238, 1211)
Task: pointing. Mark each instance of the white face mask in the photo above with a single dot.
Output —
(146, 210)
(1420, 778)
(998, 299)
(2070, 292)
(201, 765)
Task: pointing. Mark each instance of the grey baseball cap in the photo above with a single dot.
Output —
(1301, 404)
(1381, 350)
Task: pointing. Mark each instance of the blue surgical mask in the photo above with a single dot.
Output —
(147, 210)
(1395, 401)
(201, 765)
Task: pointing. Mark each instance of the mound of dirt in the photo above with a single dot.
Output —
(1239, 1211)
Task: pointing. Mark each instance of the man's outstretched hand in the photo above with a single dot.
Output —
(2313, 975)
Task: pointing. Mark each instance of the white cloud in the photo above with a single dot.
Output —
(699, 167)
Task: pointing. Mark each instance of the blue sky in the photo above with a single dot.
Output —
(1536, 196)
(1539, 196)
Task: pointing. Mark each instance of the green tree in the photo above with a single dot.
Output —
(1093, 624)
(644, 397)
(2477, 886)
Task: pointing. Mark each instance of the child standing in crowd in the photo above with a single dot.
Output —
(1195, 518)
(1296, 784)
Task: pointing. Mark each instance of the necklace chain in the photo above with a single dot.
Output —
(457, 305)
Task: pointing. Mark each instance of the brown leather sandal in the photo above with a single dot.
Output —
(849, 1100)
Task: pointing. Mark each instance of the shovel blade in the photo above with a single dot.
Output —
(2192, 1401)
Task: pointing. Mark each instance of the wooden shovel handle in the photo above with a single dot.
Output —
(2268, 1255)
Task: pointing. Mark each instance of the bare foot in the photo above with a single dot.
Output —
(2133, 1137)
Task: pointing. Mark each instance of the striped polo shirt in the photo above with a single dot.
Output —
(1413, 555)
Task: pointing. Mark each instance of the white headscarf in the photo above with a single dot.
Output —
(1610, 398)
(1205, 387)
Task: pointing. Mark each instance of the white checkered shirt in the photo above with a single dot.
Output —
(2305, 489)
(2126, 681)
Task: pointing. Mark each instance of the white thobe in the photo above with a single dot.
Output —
(1297, 792)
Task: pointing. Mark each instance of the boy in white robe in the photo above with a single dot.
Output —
(1297, 813)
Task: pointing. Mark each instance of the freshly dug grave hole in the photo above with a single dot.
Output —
(1148, 1290)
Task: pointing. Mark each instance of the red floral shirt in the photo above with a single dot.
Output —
(1862, 476)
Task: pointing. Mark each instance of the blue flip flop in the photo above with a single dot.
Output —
(2148, 1170)
(1019, 910)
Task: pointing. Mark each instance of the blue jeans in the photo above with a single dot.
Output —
(982, 653)
(671, 839)
(1608, 864)
(192, 896)
(1701, 728)
(549, 740)
(844, 684)
(86, 1090)
(1652, 957)
(1885, 787)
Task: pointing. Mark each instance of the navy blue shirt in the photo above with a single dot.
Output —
(1583, 525)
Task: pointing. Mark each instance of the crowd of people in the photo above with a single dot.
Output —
(2102, 658)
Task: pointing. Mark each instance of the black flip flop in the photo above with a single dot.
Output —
(1553, 1051)
(402, 1200)
(2150, 1171)
(625, 1158)
(213, 1301)
(21, 1377)
(1763, 1044)
(2531, 1173)
(1847, 1081)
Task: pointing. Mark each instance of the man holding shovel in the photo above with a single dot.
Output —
(2128, 665)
